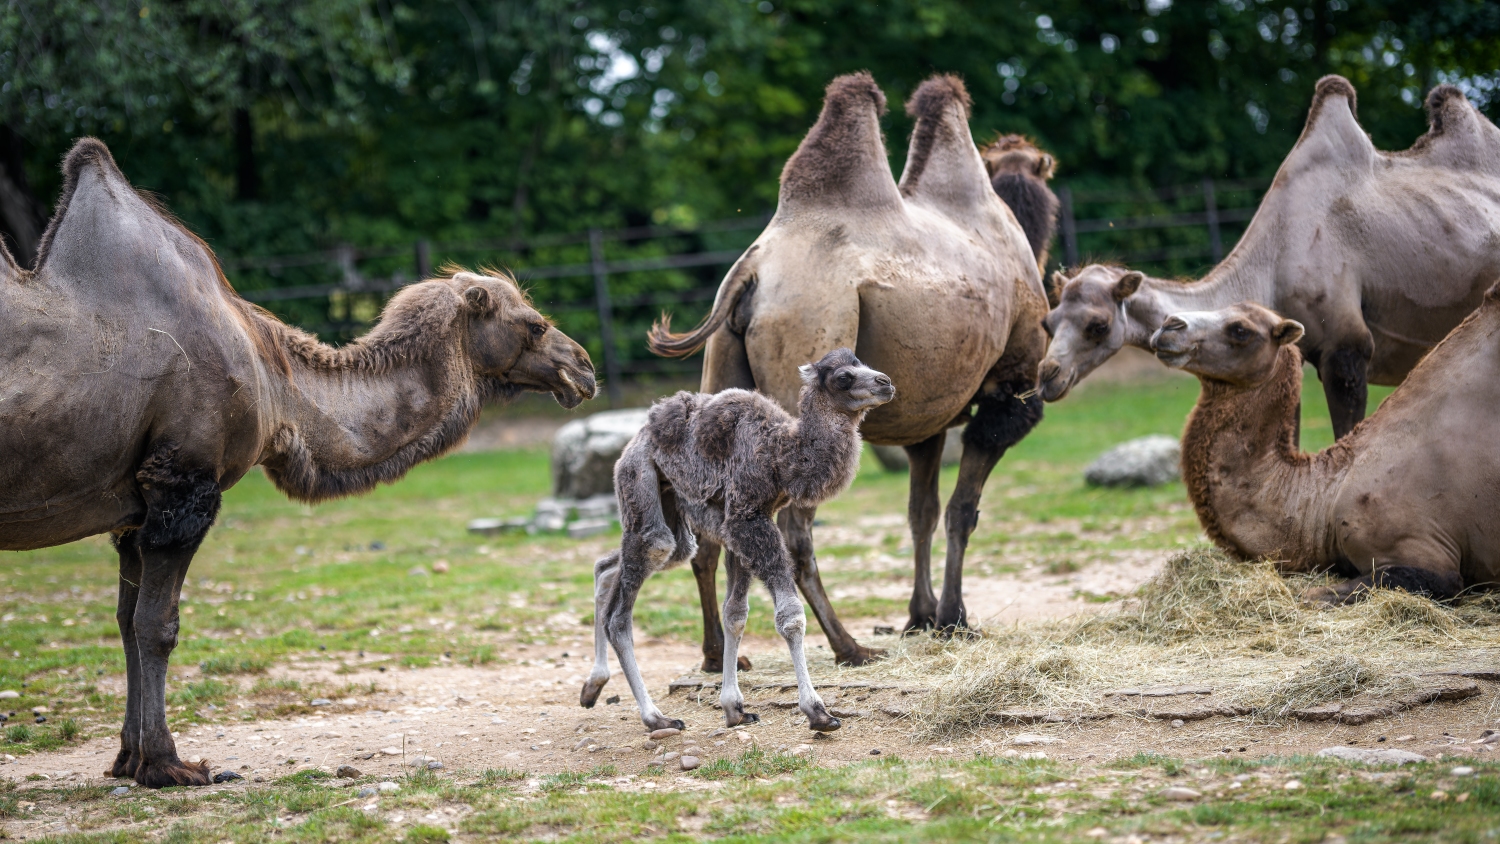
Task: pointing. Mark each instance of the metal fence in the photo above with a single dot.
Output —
(604, 286)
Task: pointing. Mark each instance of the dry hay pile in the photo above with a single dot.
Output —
(1204, 621)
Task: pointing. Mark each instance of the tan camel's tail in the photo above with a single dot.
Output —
(663, 342)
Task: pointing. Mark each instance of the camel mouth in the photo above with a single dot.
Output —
(572, 394)
(1174, 359)
(1057, 386)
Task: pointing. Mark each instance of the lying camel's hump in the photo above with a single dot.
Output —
(123, 338)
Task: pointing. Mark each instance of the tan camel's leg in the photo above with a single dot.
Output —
(1343, 372)
(606, 579)
(923, 505)
(130, 589)
(705, 566)
(796, 530)
(736, 611)
(1000, 420)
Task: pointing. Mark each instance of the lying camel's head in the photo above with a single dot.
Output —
(1017, 154)
(1237, 344)
(1087, 326)
(849, 384)
(511, 342)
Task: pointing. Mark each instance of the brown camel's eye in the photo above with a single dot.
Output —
(1096, 330)
(1238, 333)
(537, 330)
(845, 381)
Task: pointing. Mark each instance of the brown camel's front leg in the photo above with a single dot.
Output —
(1440, 584)
(1000, 420)
(922, 507)
(796, 529)
(705, 564)
(1345, 385)
(130, 588)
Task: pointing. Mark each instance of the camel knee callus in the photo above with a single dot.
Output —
(721, 466)
(1378, 254)
(134, 343)
(938, 256)
(1400, 502)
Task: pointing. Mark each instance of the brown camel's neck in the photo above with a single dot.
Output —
(822, 453)
(1256, 495)
(1241, 277)
(350, 418)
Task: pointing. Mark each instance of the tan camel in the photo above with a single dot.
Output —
(930, 281)
(1019, 173)
(1378, 254)
(135, 387)
(1406, 500)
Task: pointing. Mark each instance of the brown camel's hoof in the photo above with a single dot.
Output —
(861, 655)
(125, 762)
(1322, 596)
(590, 694)
(919, 624)
(153, 774)
(960, 632)
(716, 665)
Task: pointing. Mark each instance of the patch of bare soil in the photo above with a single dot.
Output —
(508, 432)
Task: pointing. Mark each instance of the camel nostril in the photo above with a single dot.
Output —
(1174, 323)
(1049, 370)
(883, 380)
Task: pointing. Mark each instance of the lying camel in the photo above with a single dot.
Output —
(1406, 500)
(720, 466)
(930, 281)
(1378, 254)
(1019, 173)
(135, 387)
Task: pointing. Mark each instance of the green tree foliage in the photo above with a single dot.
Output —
(282, 126)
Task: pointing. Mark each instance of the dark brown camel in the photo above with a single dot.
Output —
(931, 281)
(135, 387)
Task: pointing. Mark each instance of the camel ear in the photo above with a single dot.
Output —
(1288, 331)
(480, 300)
(1127, 285)
(1045, 167)
(1055, 289)
(809, 373)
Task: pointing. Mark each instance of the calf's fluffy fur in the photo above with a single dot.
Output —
(724, 464)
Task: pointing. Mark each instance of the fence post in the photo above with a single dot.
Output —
(606, 317)
(424, 260)
(352, 279)
(1069, 229)
(1211, 212)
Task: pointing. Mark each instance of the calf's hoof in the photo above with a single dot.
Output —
(663, 723)
(736, 715)
(715, 665)
(860, 655)
(125, 764)
(590, 694)
(820, 721)
(169, 772)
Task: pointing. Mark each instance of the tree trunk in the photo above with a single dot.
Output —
(247, 177)
(22, 215)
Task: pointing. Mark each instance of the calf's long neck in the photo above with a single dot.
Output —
(1256, 495)
(822, 450)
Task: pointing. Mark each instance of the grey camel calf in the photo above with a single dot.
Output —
(724, 464)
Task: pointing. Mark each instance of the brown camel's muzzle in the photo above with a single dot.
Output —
(558, 366)
(1053, 382)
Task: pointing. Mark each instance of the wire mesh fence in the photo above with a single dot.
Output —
(604, 287)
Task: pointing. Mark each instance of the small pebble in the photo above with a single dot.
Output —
(119, 791)
(1179, 793)
(1439, 795)
(1177, 722)
(321, 701)
(418, 571)
(667, 757)
(391, 751)
(874, 751)
(1462, 771)
(41, 719)
(665, 732)
(348, 772)
(583, 742)
(611, 700)
(1293, 785)
(689, 763)
(648, 744)
(367, 792)
(440, 567)
(377, 545)
(388, 787)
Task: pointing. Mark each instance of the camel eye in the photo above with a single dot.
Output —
(1239, 333)
(845, 381)
(537, 330)
(1096, 330)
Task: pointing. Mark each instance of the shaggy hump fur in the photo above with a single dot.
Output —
(840, 145)
(929, 106)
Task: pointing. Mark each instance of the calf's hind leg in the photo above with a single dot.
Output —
(606, 579)
(736, 611)
(621, 613)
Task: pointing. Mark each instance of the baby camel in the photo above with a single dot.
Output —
(723, 465)
(1405, 500)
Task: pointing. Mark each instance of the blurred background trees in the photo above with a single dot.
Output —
(278, 126)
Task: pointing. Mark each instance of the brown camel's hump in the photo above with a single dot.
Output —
(842, 160)
(1458, 135)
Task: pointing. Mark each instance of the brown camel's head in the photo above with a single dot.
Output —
(1017, 154)
(848, 383)
(512, 343)
(1087, 326)
(1237, 345)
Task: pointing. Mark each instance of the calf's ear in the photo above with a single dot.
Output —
(1055, 289)
(1287, 331)
(1127, 285)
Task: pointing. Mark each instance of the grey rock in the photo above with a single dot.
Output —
(664, 732)
(602, 506)
(589, 527)
(584, 452)
(1147, 461)
(366, 792)
(119, 791)
(491, 527)
(347, 772)
(388, 787)
(893, 457)
(226, 776)
(321, 701)
(1371, 757)
(688, 763)
(1179, 793)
